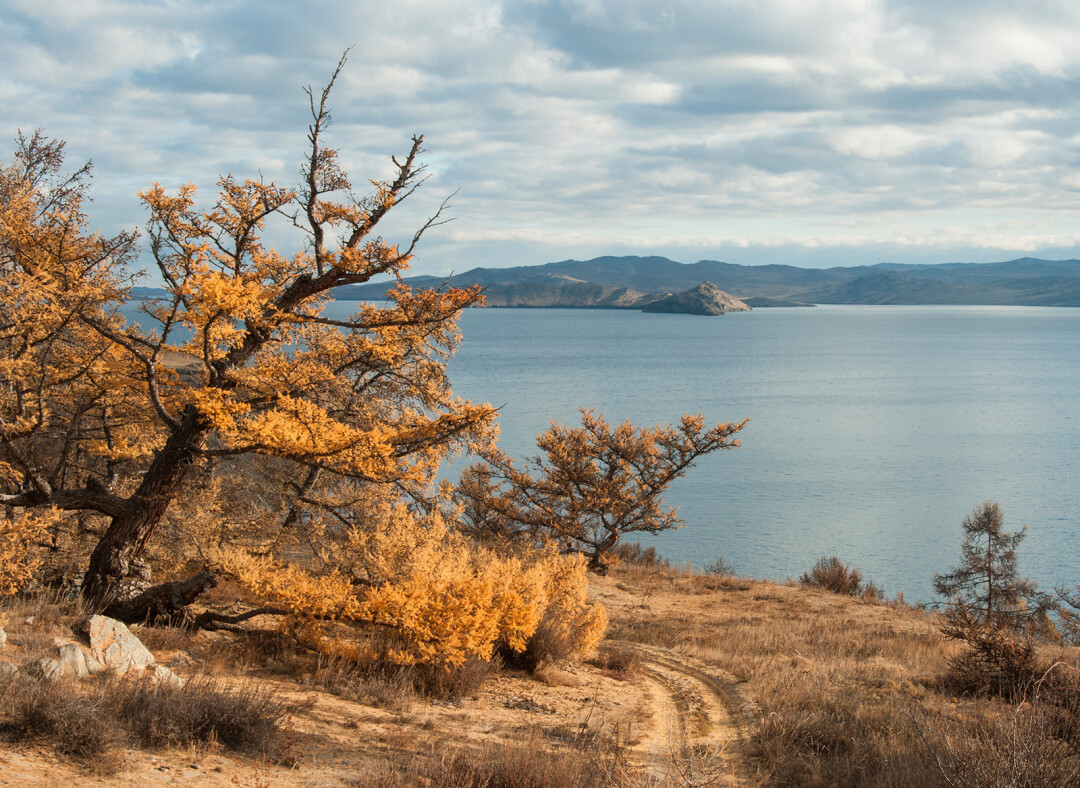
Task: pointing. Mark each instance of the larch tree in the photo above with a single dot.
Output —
(95, 418)
(986, 591)
(594, 484)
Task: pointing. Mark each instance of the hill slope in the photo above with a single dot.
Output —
(1026, 281)
(705, 299)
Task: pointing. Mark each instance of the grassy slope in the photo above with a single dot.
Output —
(848, 692)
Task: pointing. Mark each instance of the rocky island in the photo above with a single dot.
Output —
(705, 299)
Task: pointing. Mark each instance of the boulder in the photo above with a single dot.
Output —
(159, 674)
(113, 645)
(181, 660)
(3, 638)
(73, 662)
(7, 670)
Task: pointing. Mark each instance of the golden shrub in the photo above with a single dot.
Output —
(444, 598)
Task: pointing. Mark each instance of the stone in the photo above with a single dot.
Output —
(72, 663)
(113, 645)
(7, 670)
(93, 665)
(3, 638)
(159, 674)
(50, 668)
(181, 660)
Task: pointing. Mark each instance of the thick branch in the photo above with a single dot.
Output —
(93, 498)
(214, 621)
(164, 603)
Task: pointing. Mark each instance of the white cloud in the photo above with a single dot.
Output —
(578, 125)
(878, 142)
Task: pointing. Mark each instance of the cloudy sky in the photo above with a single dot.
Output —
(812, 133)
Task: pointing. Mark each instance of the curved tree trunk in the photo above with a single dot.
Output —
(111, 563)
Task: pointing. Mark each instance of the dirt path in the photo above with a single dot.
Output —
(703, 721)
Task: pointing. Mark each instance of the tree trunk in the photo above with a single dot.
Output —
(127, 535)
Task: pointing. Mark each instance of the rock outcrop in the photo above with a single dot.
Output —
(705, 299)
(112, 647)
(72, 663)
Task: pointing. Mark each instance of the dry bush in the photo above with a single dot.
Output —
(383, 686)
(249, 720)
(691, 765)
(633, 554)
(451, 682)
(832, 574)
(165, 638)
(76, 723)
(618, 660)
(1021, 749)
(383, 683)
(719, 566)
(85, 721)
(1059, 693)
(718, 582)
(33, 619)
(997, 663)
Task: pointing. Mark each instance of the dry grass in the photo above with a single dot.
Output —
(849, 690)
(32, 621)
(618, 661)
(531, 763)
(383, 687)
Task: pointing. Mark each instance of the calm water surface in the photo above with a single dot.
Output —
(873, 430)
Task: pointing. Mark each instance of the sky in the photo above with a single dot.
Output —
(812, 133)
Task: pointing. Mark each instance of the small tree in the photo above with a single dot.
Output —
(986, 590)
(595, 483)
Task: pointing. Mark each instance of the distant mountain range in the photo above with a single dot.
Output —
(633, 282)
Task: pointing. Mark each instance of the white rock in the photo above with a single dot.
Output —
(73, 662)
(50, 668)
(3, 638)
(113, 645)
(159, 674)
(92, 663)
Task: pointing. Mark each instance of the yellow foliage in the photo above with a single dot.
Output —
(444, 598)
(593, 485)
(17, 561)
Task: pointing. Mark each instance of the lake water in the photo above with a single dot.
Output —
(873, 430)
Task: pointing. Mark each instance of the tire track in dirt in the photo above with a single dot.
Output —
(703, 719)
